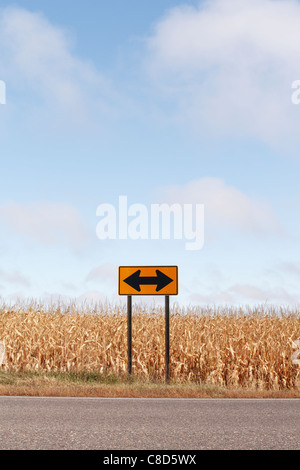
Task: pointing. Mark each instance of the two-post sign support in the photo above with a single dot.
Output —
(148, 280)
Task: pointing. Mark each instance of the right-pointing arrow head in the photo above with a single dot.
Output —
(162, 280)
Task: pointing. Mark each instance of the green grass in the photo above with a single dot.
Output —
(93, 384)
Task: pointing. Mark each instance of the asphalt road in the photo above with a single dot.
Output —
(103, 423)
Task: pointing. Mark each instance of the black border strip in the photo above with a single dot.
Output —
(149, 266)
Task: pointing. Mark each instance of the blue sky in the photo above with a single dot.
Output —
(162, 101)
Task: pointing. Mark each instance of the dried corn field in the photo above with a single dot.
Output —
(250, 348)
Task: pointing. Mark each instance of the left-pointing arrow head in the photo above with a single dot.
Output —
(134, 280)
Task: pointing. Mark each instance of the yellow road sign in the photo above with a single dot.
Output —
(148, 280)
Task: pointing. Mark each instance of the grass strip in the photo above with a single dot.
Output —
(87, 384)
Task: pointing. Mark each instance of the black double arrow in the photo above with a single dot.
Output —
(135, 280)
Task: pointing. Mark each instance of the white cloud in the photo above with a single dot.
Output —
(40, 68)
(272, 295)
(92, 297)
(225, 206)
(289, 268)
(14, 278)
(246, 294)
(105, 273)
(49, 223)
(229, 65)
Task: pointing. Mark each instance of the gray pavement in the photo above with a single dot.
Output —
(141, 424)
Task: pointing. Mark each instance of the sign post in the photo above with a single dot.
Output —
(148, 280)
(167, 339)
(129, 334)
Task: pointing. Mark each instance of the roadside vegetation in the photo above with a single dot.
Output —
(69, 350)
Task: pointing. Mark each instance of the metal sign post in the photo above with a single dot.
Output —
(148, 280)
(167, 339)
(129, 334)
